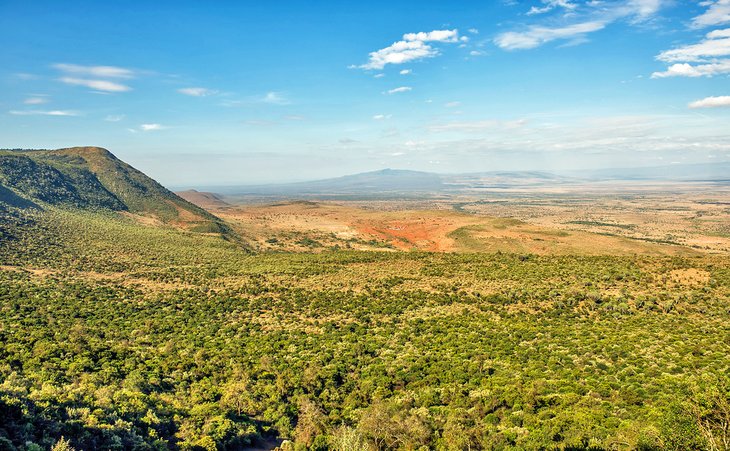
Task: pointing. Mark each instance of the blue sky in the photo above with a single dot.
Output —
(208, 93)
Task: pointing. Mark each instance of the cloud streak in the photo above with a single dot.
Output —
(77, 75)
(43, 113)
(536, 36)
(98, 85)
(151, 127)
(35, 100)
(95, 71)
(399, 90)
(591, 17)
(197, 92)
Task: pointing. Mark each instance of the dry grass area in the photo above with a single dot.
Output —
(692, 215)
(553, 223)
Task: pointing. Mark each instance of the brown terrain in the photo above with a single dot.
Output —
(665, 219)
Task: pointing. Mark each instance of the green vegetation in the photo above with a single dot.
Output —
(114, 335)
(91, 178)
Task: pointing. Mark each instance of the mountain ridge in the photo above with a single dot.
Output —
(92, 178)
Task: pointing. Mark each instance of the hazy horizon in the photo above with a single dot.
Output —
(201, 95)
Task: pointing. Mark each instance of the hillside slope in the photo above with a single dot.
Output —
(92, 178)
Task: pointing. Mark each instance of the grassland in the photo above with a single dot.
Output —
(117, 335)
(416, 225)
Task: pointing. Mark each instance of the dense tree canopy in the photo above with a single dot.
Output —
(118, 336)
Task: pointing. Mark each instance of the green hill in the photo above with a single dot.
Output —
(92, 178)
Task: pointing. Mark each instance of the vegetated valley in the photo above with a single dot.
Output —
(133, 319)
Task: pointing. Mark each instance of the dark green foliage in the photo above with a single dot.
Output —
(8, 199)
(74, 187)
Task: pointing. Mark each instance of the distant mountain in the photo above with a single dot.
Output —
(91, 178)
(383, 182)
(397, 183)
(713, 172)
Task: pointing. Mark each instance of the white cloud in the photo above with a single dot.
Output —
(405, 72)
(43, 113)
(413, 47)
(114, 117)
(380, 117)
(643, 8)
(400, 89)
(473, 31)
(35, 100)
(699, 70)
(452, 104)
(99, 85)
(716, 34)
(711, 102)
(704, 59)
(590, 17)
(718, 13)
(476, 53)
(275, 98)
(550, 5)
(537, 36)
(151, 127)
(436, 35)
(715, 44)
(96, 71)
(197, 92)
(379, 75)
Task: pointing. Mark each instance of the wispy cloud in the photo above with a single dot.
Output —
(478, 126)
(43, 113)
(718, 13)
(99, 85)
(114, 117)
(197, 92)
(96, 71)
(703, 59)
(275, 98)
(550, 5)
(583, 19)
(74, 72)
(715, 44)
(151, 127)
(380, 117)
(36, 100)
(405, 72)
(711, 102)
(399, 89)
(413, 47)
(536, 36)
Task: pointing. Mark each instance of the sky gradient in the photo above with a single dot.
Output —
(204, 93)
